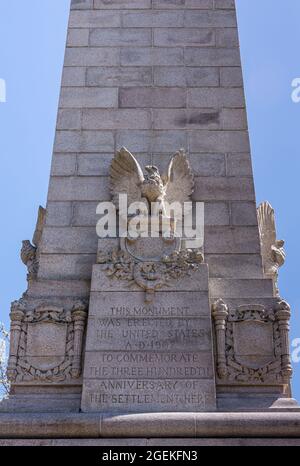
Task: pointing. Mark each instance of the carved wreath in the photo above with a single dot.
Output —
(150, 276)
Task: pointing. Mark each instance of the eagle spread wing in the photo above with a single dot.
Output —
(39, 226)
(179, 181)
(267, 229)
(126, 177)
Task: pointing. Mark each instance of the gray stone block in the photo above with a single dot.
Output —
(153, 19)
(225, 4)
(69, 119)
(190, 77)
(73, 76)
(116, 119)
(183, 37)
(84, 141)
(216, 98)
(239, 165)
(81, 4)
(151, 141)
(201, 4)
(231, 77)
(224, 188)
(147, 56)
(177, 305)
(88, 97)
(94, 19)
(78, 38)
(152, 97)
(92, 56)
(229, 240)
(113, 334)
(219, 141)
(243, 213)
(79, 189)
(186, 119)
(235, 288)
(222, 19)
(119, 76)
(120, 37)
(234, 266)
(63, 165)
(59, 214)
(84, 214)
(70, 240)
(234, 118)
(202, 164)
(66, 266)
(227, 37)
(212, 56)
(99, 164)
(216, 213)
(59, 289)
(208, 164)
(119, 4)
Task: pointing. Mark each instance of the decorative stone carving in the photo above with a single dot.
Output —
(151, 262)
(150, 275)
(30, 252)
(252, 343)
(46, 342)
(127, 177)
(273, 254)
(220, 315)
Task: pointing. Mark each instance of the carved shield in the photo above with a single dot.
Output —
(46, 344)
(253, 343)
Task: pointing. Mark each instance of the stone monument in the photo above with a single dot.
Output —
(144, 337)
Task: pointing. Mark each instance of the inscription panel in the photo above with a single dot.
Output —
(149, 334)
(148, 357)
(154, 395)
(147, 364)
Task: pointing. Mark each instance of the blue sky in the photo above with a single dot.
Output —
(32, 38)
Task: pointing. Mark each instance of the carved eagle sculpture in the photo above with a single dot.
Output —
(127, 177)
(273, 254)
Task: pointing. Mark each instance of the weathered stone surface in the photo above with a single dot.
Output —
(189, 76)
(116, 119)
(224, 188)
(84, 141)
(94, 19)
(119, 76)
(126, 4)
(147, 56)
(87, 98)
(92, 56)
(78, 38)
(212, 56)
(120, 37)
(182, 37)
(148, 97)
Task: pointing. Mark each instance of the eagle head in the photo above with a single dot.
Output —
(152, 186)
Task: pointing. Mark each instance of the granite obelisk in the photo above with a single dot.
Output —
(111, 326)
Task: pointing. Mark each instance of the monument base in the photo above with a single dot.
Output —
(275, 427)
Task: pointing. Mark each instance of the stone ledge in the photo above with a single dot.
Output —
(155, 425)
